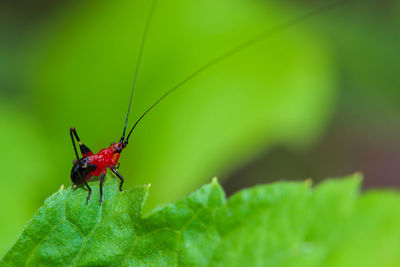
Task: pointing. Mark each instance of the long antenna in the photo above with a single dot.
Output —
(263, 35)
(144, 37)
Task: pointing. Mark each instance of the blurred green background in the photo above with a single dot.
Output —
(317, 100)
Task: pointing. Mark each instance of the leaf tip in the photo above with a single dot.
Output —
(358, 175)
(308, 182)
(215, 183)
(62, 187)
(214, 180)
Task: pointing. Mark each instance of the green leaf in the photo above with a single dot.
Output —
(281, 224)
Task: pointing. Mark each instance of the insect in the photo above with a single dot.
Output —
(91, 164)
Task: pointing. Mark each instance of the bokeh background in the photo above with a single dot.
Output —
(318, 100)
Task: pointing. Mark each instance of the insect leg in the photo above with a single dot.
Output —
(84, 149)
(101, 187)
(72, 132)
(88, 187)
(119, 176)
(73, 141)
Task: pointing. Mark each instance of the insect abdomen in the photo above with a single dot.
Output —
(81, 169)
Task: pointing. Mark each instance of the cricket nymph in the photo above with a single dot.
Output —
(95, 164)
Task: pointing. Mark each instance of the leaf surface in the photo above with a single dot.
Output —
(280, 224)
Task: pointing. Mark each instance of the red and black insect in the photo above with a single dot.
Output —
(97, 164)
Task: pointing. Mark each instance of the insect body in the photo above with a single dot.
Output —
(97, 164)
